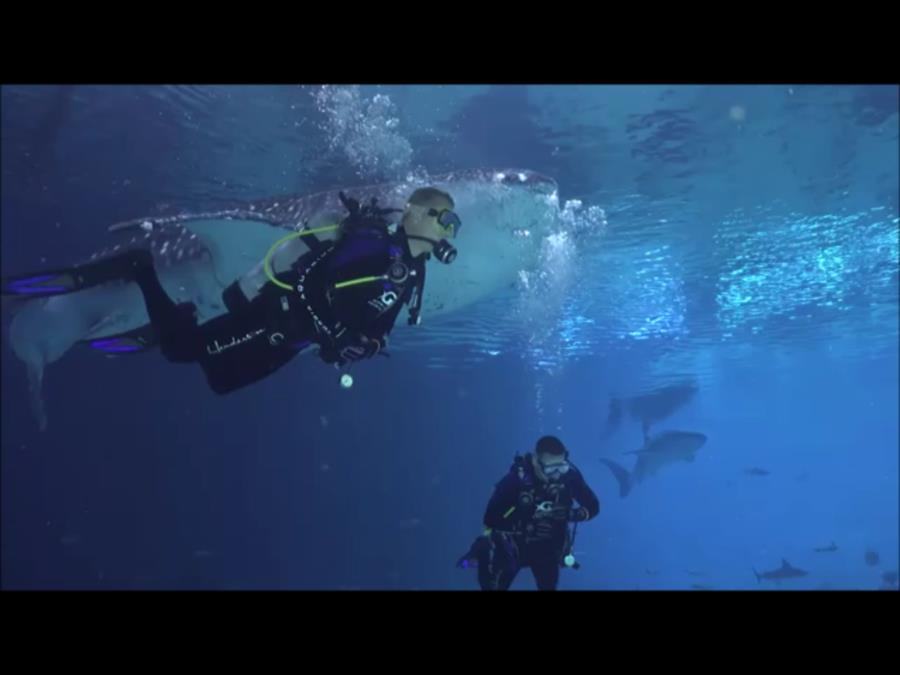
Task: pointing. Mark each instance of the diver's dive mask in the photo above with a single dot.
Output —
(450, 222)
(554, 471)
(447, 219)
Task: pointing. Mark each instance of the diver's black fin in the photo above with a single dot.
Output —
(122, 267)
(479, 547)
(132, 342)
(51, 282)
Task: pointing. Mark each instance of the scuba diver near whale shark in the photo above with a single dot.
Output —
(343, 295)
(214, 258)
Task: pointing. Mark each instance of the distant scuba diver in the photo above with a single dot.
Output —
(527, 519)
(343, 295)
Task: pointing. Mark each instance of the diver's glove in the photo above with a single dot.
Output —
(546, 511)
(349, 347)
(578, 515)
(560, 513)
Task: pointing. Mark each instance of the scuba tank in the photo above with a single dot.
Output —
(369, 216)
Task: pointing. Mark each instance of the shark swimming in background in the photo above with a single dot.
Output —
(786, 571)
(652, 407)
(658, 451)
(198, 255)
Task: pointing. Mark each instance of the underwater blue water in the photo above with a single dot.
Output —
(744, 238)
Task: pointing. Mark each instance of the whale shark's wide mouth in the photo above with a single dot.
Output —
(530, 179)
(513, 178)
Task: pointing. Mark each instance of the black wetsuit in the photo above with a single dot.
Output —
(517, 540)
(256, 337)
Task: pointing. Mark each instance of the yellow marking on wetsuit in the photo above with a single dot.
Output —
(509, 513)
(360, 280)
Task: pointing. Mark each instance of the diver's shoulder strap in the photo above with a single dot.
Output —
(418, 293)
(520, 465)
